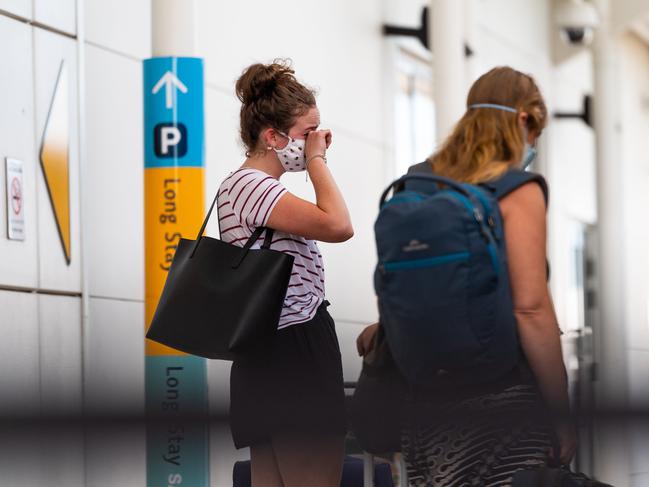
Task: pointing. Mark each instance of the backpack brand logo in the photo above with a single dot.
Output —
(414, 246)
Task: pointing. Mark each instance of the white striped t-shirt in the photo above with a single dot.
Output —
(246, 199)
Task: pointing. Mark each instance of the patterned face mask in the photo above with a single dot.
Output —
(292, 156)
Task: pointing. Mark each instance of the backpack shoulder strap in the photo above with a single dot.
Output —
(514, 179)
(510, 181)
(422, 167)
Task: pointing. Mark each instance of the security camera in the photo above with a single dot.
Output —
(577, 21)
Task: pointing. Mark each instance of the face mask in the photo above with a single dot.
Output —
(529, 153)
(529, 156)
(292, 156)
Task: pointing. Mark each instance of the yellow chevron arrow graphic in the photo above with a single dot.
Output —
(55, 159)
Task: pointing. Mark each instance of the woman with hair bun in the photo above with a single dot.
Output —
(287, 401)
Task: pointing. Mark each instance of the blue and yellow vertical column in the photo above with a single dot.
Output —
(174, 155)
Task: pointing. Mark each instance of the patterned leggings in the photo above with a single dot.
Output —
(481, 441)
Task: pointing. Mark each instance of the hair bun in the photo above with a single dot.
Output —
(260, 80)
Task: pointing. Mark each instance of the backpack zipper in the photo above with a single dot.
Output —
(473, 211)
(402, 265)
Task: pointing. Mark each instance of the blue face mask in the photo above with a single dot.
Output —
(529, 153)
(529, 156)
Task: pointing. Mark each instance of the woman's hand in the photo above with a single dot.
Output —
(365, 339)
(567, 437)
(317, 142)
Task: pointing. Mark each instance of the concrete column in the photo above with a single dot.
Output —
(611, 439)
(447, 43)
(173, 27)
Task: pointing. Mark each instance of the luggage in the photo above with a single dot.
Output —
(442, 280)
(376, 408)
(353, 473)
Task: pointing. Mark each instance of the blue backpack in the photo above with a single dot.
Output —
(442, 280)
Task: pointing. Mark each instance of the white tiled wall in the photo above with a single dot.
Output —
(19, 354)
(114, 215)
(119, 25)
(58, 14)
(18, 259)
(115, 455)
(223, 151)
(60, 354)
(347, 333)
(639, 480)
(21, 8)
(114, 377)
(326, 61)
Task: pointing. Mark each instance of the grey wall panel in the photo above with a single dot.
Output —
(223, 455)
(19, 354)
(352, 102)
(639, 399)
(640, 480)
(50, 50)
(120, 25)
(223, 149)
(62, 460)
(60, 354)
(18, 259)
(21, 457)
(114, 220)
(114, 374)
(347, 334)
(218, 380)
(115, 455)
(58, 14)
(21, 8)
(349, 266)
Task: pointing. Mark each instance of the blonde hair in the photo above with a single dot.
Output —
(486, 142)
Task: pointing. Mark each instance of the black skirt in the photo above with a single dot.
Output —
(295, 385)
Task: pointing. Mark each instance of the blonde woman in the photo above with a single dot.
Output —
(481, 435)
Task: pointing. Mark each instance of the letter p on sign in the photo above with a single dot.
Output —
(170, 140)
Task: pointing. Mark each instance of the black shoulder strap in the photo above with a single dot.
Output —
(511, 180)
(423, 167)
(514, 179)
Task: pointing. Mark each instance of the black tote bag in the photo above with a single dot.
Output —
(221, 301)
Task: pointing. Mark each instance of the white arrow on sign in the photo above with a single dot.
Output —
(169, 80)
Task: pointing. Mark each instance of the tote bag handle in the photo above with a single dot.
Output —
(253, 238)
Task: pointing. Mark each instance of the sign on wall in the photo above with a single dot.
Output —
(55, 159)
(15, 199)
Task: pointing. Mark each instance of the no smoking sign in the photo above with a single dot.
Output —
(15, 199)
(16, 196)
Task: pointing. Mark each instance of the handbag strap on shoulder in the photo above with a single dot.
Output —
(253, 238)
(251, 241)
(200, 232)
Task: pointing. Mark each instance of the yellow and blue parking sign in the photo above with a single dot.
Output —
(174, 159)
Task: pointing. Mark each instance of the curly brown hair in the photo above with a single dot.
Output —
(270, 96)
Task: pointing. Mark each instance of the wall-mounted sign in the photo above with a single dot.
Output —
(15, 199)
(55, 159)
